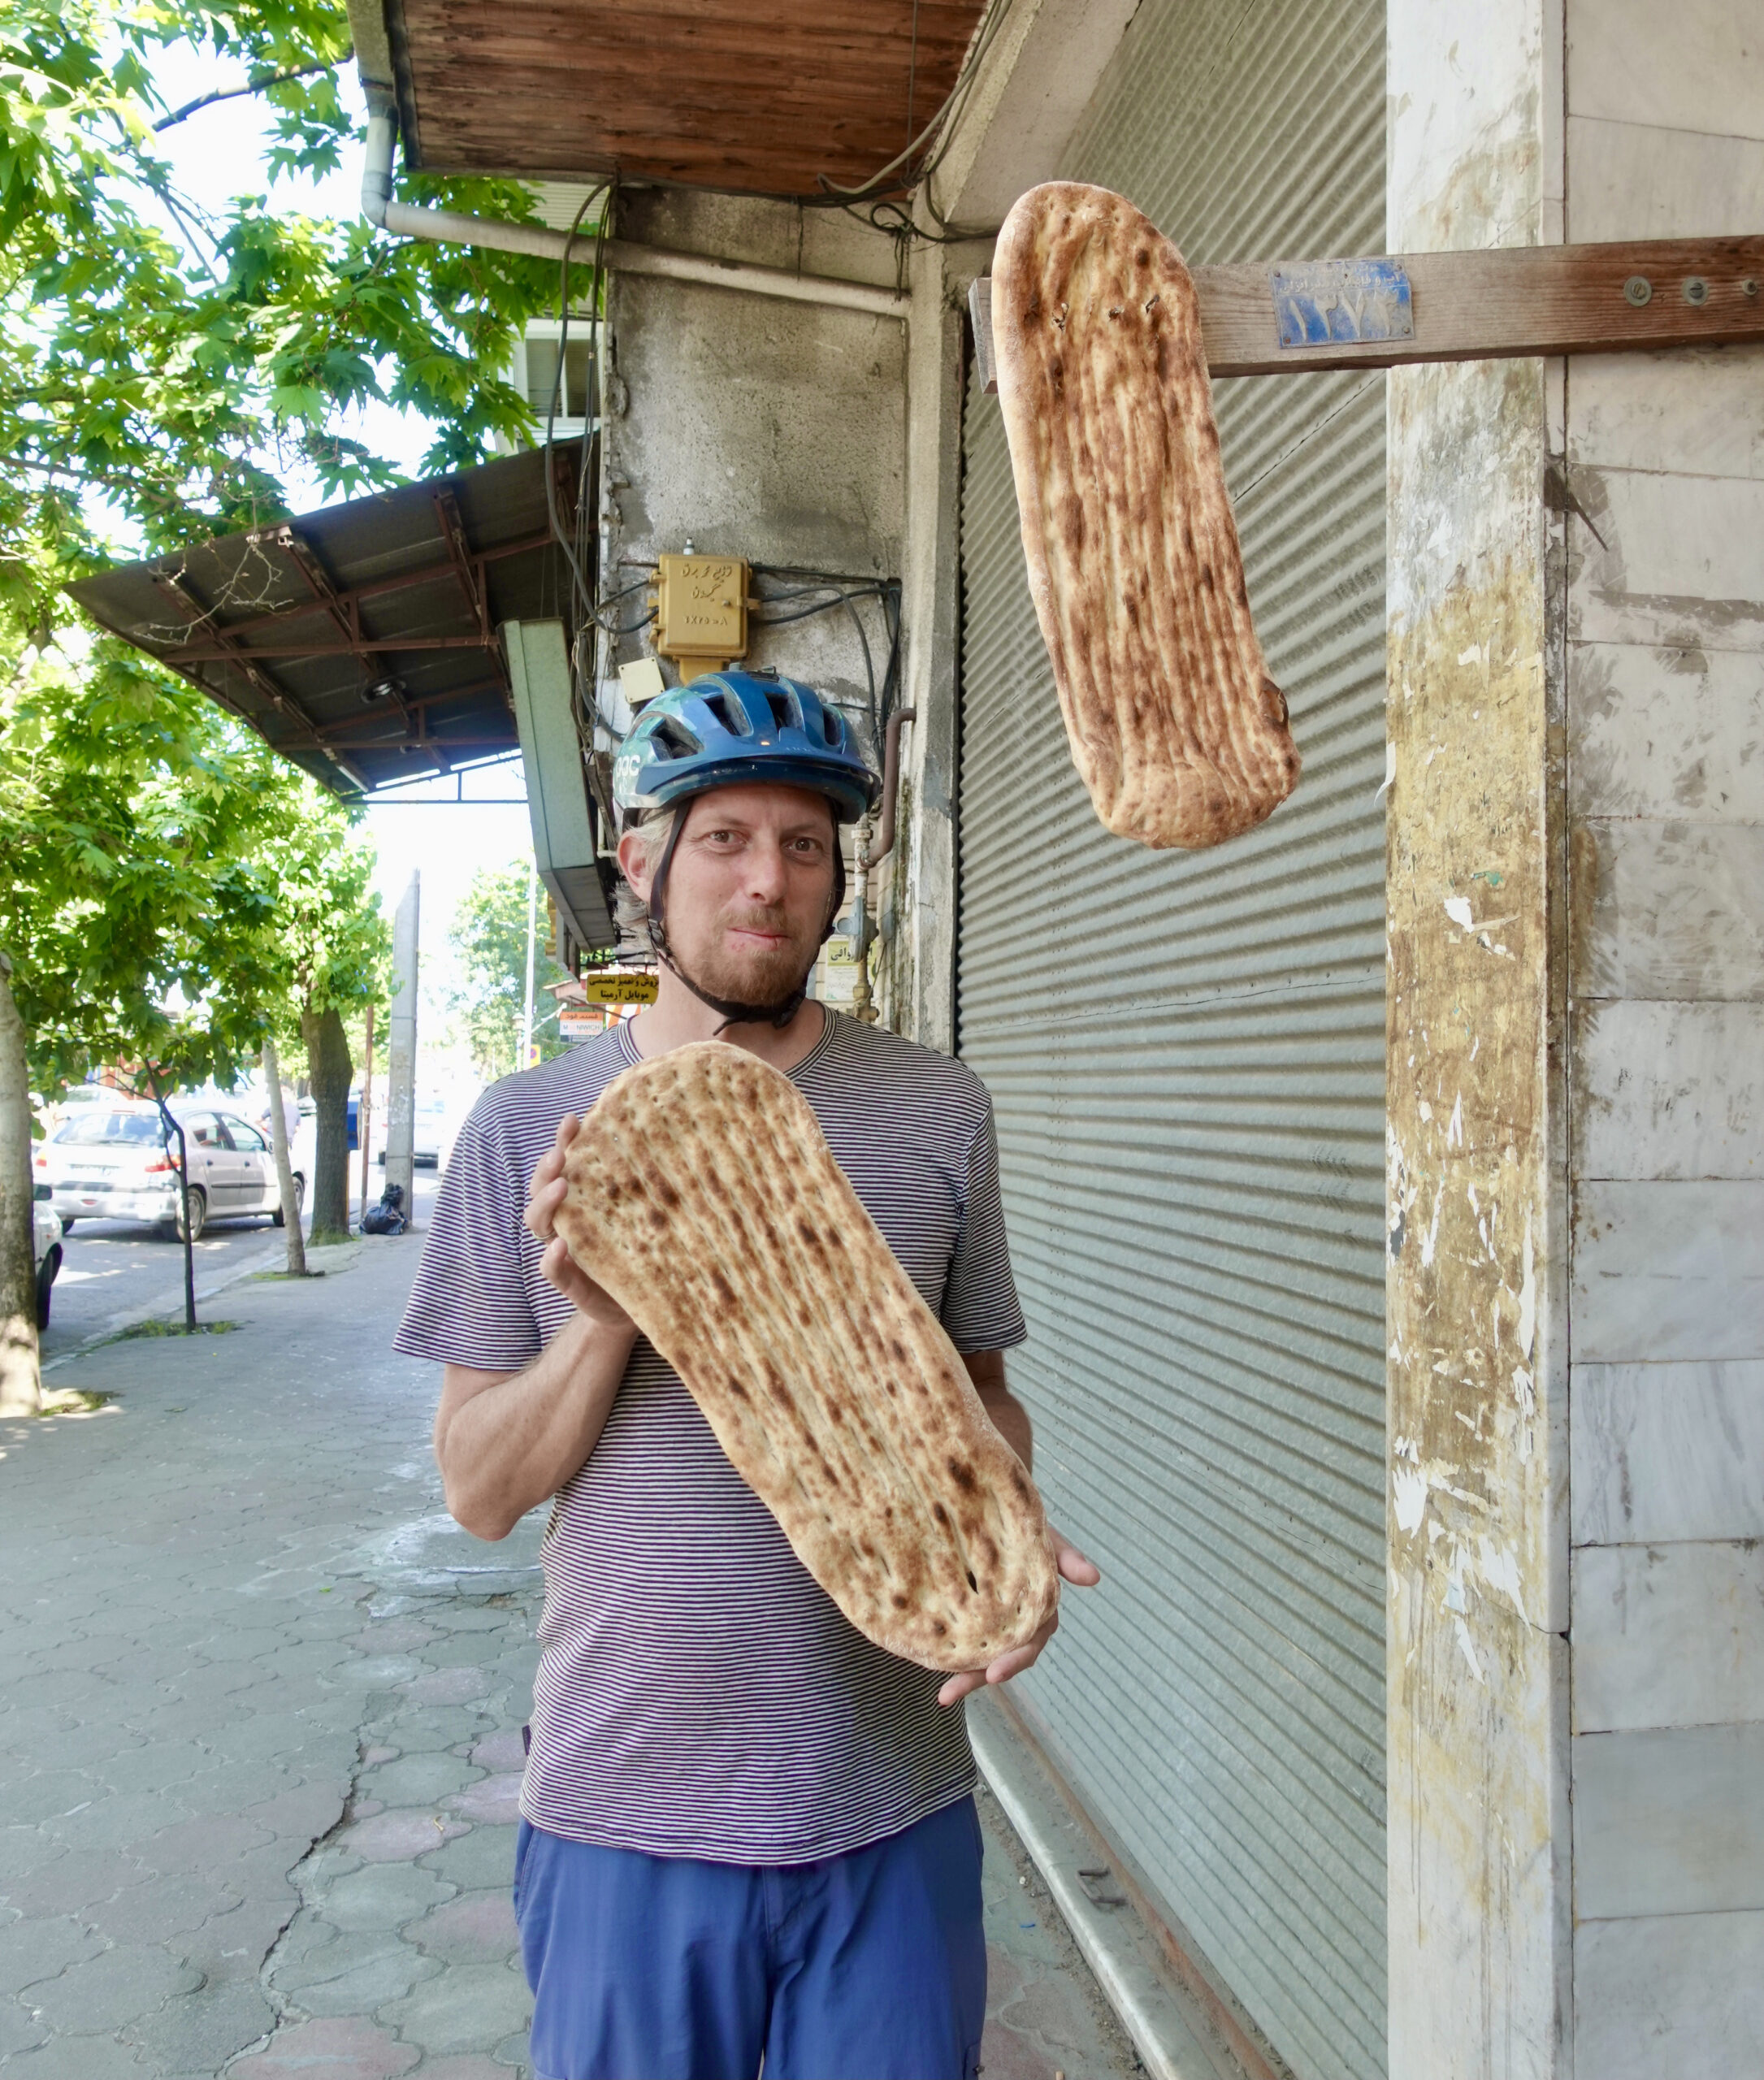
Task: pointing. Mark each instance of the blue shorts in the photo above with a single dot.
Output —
(867, 1966)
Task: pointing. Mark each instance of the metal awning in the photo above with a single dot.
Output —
(719, 95)
(362, 641)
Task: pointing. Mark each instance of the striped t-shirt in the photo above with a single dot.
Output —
(699, 1693)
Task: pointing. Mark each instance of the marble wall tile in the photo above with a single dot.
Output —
(1667, 1089)
(1667, 1635)
(1665, 1270)
(1669, 1822)
(1671, 1997)
(1666, 910)
(1661, 1453)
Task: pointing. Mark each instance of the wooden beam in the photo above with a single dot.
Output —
(1291, 316)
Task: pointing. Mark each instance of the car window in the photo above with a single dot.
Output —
(241, 1134)
(203, 1130)
(139, 1129)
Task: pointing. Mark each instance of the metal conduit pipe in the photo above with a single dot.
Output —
(884, 837)
(619, 255)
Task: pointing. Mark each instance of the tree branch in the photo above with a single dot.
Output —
(251, 87)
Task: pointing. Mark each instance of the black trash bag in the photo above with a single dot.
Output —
(387, 1215)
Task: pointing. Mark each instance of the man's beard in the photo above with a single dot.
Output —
(763, 980)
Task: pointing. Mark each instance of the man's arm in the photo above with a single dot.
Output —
(507, 1441)
(1010, 1418)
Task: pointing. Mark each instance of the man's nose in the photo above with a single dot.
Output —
(766, 871)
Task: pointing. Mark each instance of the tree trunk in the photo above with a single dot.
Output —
(285, 1167)
(21, 1383)
(327, 1053)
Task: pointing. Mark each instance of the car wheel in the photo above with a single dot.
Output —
(279, 1219)
(45, 1280)
(67, 1224)
(195, 1212)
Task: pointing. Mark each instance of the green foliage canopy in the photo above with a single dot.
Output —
(169, 887)
(166, 382)
(488, 937)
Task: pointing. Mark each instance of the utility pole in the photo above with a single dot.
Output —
(364, 1113)
(401, 1059)
(532, 927)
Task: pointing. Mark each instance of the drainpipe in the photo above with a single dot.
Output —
(619, 255)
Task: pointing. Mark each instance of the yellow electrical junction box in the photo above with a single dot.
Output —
(701, 611)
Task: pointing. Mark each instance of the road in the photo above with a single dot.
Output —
(115, 1273)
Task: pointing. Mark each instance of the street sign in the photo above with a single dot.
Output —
(619, 989)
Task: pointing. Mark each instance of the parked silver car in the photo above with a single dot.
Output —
(46, 1239)
(112, 1162)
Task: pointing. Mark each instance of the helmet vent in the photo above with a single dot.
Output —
(783, 708)
(723, 709)
(678, 740)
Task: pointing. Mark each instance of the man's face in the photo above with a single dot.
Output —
(749, 890)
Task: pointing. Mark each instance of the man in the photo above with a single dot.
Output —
(748, 1832)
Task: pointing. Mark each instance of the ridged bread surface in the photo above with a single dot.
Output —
(1175, 728)
(702, 1196)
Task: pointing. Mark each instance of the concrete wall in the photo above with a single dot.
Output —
(1665, 750)
(753, 427)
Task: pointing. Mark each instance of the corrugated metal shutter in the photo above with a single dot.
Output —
(1187, 1055)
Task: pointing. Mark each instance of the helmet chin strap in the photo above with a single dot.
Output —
(730, 1009)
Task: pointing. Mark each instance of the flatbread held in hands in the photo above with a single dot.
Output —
(1175, 728)
(702, 1196)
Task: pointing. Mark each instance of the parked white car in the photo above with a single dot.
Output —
(46, 1253)
(112, 1162)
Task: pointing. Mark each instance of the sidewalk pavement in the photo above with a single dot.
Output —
(260, 1704)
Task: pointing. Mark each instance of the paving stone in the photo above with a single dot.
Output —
(20, 2029)
(23, 1850)
(476, 1928)
(161, 1907)
(43, 1794)
(116, 1986)
(302, 1812)
(76, 2058)
(467, 2006)
(335, 2048)
(400, 1836)
(501, 1752)
(129, 1820)
(33, 1950)
(495, 1801)
(199, 2031)
(313, 1953)
(368, 1985)
(232, 1946)
(205, 1844)
(81, 1878)
(384, 1896)
(482, 1858)
(418, 1779)
(463, 2068)
(156, 1766)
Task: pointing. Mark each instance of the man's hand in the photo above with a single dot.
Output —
(545, 1195)
(1074, 1568)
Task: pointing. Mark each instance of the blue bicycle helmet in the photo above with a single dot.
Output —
(731, 727)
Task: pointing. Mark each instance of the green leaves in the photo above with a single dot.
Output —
(162, 363)
(168, 888)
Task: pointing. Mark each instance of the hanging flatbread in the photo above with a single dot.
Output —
(1175, 728)
(704, 1198)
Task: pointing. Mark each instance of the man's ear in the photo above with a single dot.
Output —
(633, 861)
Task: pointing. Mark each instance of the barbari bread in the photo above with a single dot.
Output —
(1176, 729)
(702, 1196)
